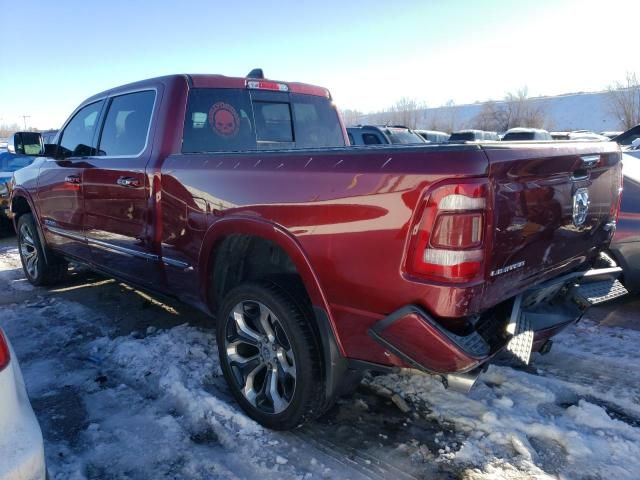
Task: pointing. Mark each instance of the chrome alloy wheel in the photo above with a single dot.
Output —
(260, 356)
(28, 251)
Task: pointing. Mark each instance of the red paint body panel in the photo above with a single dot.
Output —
(427, 346)
(345, 217)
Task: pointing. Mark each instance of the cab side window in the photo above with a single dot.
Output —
(127, 124)
(77, 139)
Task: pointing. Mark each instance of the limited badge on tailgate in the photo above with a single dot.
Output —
(580, 206)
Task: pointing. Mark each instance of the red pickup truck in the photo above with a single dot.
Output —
(319, 260)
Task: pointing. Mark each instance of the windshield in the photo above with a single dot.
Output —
(402, 136)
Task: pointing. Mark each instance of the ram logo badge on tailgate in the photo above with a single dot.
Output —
(580, 206)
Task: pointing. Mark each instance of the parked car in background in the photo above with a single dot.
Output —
(383, 135)
(471, 135)
(3, 144)
(610, 134)
(10, 161)
(21, 444)
(526, 134)
(433, 136)
(321, 260)
(626, 139)
(48, 136)
(579, 135)
(625, 245)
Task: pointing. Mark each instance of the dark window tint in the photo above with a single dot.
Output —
(218, 120)
(371, 139)
(273, 123)
(77, 137)
(351, 140)
(316, 122)
(462, 137)
(127, 124)
(515, 136)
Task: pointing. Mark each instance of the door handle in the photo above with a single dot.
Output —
(75, 179)
(128, 182)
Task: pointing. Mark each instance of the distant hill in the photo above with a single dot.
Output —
(571, 111)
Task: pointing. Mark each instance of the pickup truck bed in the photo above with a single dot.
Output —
(244, 199)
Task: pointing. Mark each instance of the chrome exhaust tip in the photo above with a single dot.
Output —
(461, 382)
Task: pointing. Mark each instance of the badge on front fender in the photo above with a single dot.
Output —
(580, 206)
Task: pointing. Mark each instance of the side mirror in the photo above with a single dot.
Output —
(635, 145)
(26, 143)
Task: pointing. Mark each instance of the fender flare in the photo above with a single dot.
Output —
(19, 192)
(259, 227)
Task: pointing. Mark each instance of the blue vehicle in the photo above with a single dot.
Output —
(19, 154)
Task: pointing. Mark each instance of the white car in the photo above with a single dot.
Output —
(21, 444)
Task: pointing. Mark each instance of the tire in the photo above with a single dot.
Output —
(273, 366)
(38, 269)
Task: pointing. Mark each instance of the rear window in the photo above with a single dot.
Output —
(515, 136)
(462, 137)
(223, 120)
(401, 136)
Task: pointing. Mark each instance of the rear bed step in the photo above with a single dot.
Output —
(593, 293)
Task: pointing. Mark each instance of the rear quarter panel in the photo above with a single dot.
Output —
(349, 210)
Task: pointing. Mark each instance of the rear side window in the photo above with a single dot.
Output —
(126, 126)
(223, 120)
(351, 140)
(371, 139)
(77, 137)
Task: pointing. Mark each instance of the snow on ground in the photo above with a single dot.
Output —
(128, 387)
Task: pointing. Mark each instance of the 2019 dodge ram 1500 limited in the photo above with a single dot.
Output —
(319, 260)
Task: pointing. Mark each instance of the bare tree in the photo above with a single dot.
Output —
(351, 117)
(624, 101)
(8, 130)
(517, 110)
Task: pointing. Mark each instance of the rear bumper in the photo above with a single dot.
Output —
(422, 342)
(21, 444)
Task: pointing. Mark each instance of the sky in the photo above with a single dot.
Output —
(368, 53)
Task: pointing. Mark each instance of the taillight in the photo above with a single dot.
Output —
(448, 240)
(4, 352)
(617, 203)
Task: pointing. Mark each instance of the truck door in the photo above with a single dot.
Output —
(60, 189)
(118, 198)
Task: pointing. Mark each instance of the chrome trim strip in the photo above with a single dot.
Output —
(590, 160)
(172, 262)
(65, 233)
(122, 250)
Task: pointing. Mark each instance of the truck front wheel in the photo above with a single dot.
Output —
(38, 269)
(269, 356)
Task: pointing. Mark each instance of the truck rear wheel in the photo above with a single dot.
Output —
(38, 269)
(269, 356)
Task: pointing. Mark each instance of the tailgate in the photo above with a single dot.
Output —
(554, 205)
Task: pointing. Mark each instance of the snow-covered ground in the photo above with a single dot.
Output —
(126, 386)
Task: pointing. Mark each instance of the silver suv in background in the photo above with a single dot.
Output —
(433, 136)
(521, 133)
